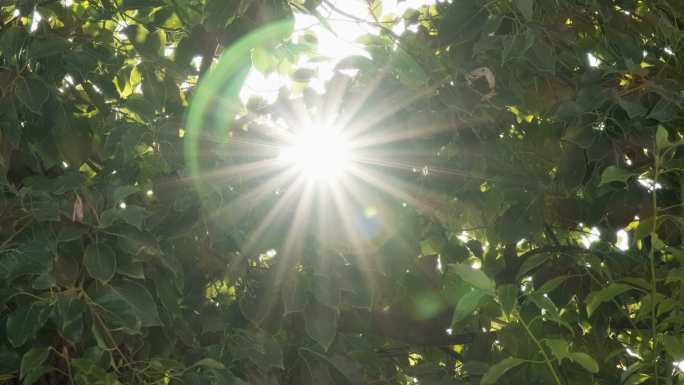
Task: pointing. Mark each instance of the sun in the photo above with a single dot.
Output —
(318, 153)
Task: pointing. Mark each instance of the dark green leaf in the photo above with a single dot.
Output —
(100, 261)
(24, 322)
(552, 284)
(662, 112)
(559, 348)
(128, 298)
(531, 263)
(51, 46)
(320, 323)
(209, 363)
(526, 7)
(32, 367)
(70, 310)
(634, 110)
(351, 371)
(32, 93)
(294, 296)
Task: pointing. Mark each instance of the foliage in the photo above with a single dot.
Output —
(525, 123)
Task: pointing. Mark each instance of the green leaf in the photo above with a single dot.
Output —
(475, 277)
(508, 297)
(526, 7)
(410, 73)
(32, 365)
(67, 270)
(531, 263)
(569, 110)
(350, 370)
(32, 93)
(122, 192)
(294, 296)
(303, 75)
(585, 360)
(132, 214)
(24, 322)
(263, 60)
(662, 112)
(638, 378)
(467, 305)
(45, 210)
(559, 348)
(499, 369)
(634, 110)
(376, 8)
(544, 302)
(596, 298)
(100, 261)
(260, 348)
(140, 4)
(674, 346)
(320, 323)
(675, 275)
(208, 363)
(615, 174)
(552, 284)
(581, 135)
(50, 46)
(70, 310)
(131, 299)
(662, 138)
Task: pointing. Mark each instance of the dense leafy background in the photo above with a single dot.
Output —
(115, 269)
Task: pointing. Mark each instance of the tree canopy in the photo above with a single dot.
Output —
(512, 211)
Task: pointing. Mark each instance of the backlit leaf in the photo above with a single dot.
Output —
(608, 293)
(508, 297)
(467, 304)
(475, 277)
(615, 174)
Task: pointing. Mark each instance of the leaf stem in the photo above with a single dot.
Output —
(549, 364)
(651, 257)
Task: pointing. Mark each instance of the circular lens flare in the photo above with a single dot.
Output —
(319, 154)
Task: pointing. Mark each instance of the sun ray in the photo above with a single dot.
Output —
(286, 199)
(391, 104)
(393, 134)
(246, 171)
(235, 210)
(294, 240)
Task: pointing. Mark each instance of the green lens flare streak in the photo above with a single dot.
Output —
(217, 100)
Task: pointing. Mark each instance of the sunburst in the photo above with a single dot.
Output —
(323, 168)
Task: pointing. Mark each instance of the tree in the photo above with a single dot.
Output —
(507, 145)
